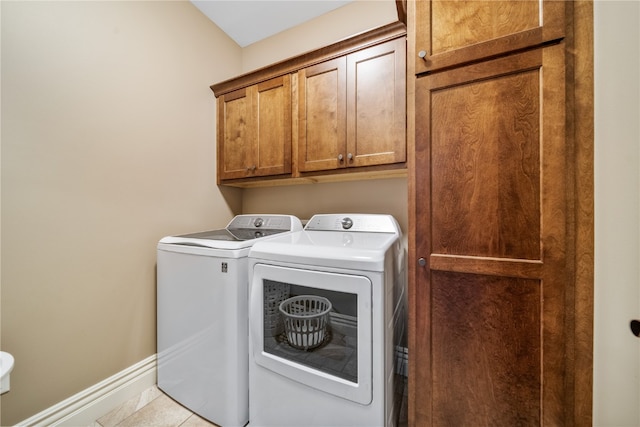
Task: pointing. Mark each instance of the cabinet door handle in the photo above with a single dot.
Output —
(350, 156)
(422, 262)
(340, 157)
(251, 168)
(423, 54)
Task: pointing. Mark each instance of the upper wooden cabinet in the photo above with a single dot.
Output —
(454, 32)
(254, 130)
(328, 111)
(352, 110)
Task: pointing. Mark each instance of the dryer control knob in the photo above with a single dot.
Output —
(347, 223)
(258, 222)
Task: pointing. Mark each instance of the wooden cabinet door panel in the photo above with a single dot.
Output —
(486, 350)
(236, 134)
(322, 116)
(489, 318)
(491, 130)
(254, 130)
(376, 105)
(273, 134)
(453, 32)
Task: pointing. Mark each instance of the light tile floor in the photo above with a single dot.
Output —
(153, 408)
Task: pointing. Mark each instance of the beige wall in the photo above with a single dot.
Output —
(387, 196)
(617, 215)
(108, 143)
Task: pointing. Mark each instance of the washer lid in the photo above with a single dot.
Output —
(232, 235)
(241, 232)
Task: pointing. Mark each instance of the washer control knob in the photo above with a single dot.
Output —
(347, 223)
(258, 222)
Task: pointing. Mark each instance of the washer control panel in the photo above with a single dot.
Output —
(270, 222)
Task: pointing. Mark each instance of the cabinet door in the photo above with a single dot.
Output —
(450, 32)
(272, 109)
(322, 116)
(490, 315)
(236, 134)
(376, 105)
(254, 130)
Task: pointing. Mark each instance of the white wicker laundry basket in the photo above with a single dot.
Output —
(306, 318)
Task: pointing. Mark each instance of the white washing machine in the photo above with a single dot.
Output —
(202, 303)
(326, 356)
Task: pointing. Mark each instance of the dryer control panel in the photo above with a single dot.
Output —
(371, 223)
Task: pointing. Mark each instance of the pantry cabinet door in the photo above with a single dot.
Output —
(491, 306)
(236, 134)
(376, 105)
(451, 32)
(322, 116)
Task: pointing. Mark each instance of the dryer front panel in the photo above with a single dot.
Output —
(314, 327)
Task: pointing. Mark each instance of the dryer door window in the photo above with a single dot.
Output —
(314, 327)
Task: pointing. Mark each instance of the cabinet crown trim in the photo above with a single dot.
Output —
(340, 48)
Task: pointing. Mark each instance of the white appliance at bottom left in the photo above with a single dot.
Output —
(202, 316)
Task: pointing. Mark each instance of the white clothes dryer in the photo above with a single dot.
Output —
(202, 303)
(327, 309)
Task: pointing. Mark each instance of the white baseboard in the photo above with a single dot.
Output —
(83, 408)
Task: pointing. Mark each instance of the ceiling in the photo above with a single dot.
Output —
(249, 21)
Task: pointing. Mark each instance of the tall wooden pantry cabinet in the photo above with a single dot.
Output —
(499, 267)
